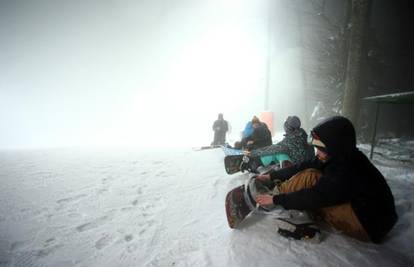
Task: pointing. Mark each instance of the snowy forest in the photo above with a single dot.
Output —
(110, 154)
(350, 50)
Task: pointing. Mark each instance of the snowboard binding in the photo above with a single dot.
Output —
(249, 164)
(299, 228)
(253, 188)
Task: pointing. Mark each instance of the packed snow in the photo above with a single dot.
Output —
(129, 207)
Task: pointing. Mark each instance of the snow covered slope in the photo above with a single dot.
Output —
(69, 207)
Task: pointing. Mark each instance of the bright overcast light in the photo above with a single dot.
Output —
(129, 72)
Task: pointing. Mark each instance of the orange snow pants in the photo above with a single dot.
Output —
(341, 217)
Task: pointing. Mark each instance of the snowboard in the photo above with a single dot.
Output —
(206, 147)
(232, 163)
(236, 163)
(240, 202)
(237, 207)
(231, 151)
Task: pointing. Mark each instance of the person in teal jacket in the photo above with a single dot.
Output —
(294, 144)
(293, 149)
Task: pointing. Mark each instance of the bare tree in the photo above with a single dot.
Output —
(329, 44)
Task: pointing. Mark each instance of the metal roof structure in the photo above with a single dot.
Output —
(396, 98)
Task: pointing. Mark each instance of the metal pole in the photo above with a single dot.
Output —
(375, 131)
(266, 96)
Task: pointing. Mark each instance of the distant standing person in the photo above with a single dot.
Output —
(220, 128)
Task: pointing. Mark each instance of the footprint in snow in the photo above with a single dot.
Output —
(74, 215)
(142, 232)
(70, 199)
(102, 190)
(132, 248)
(126, 209)
(17, 245)
(128, 238)
(47, 250)
(94, 224)
(49, 241)
(160, 174)
(103, 242)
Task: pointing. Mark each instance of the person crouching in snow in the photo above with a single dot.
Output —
(340, 184)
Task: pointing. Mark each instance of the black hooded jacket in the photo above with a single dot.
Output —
(347, 177)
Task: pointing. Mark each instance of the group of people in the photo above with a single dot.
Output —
(255, 135)
(330, 178)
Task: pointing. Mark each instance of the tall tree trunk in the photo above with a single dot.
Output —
(356, 53)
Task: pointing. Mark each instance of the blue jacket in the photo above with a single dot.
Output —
(248, 130)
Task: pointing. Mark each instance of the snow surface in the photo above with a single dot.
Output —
(80, 207)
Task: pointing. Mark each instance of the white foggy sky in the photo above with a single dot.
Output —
(128, 72)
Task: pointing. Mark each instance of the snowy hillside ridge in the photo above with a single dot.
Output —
(91, 207)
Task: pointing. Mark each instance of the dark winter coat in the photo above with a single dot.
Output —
(220, 127)
(347, 177)
(261, 137)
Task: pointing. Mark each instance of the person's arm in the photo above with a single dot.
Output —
(281, 174)
(328, 191)
(263, 177)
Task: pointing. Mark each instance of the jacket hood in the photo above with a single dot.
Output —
(338, 135)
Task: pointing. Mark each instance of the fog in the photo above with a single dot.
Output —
(145, 73)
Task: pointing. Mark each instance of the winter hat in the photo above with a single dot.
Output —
(292, 124)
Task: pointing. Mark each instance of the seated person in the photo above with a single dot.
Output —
(340, 185)
(293, 149)
(247, 132)
(294, 144)
(261, 135)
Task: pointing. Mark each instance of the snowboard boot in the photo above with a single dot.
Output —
(299, 227)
